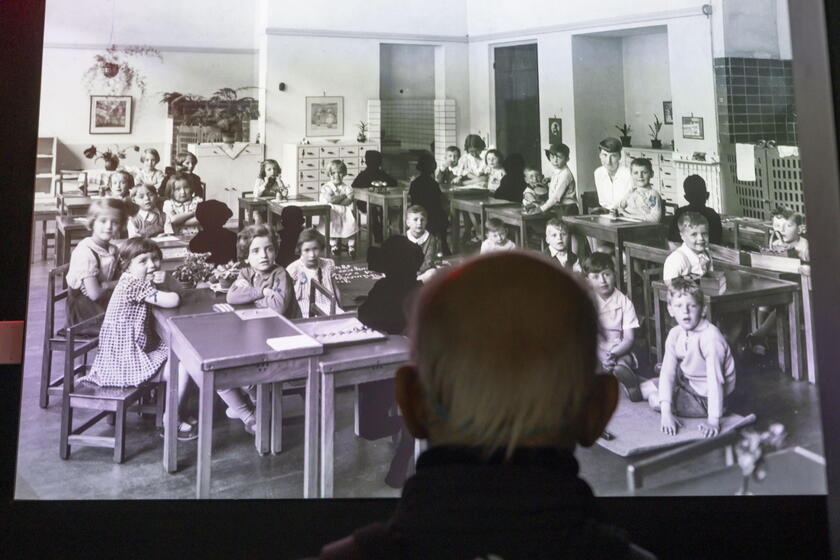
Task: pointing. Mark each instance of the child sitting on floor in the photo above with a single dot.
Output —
(180, 209)
(92, 273)
(698, 371)
(536, 193)
(496, 237)
(449, 174)
(425, 191)
(562, 192)
(642, 202)
(415, 220)
(494, 169)
(312, 266)
(213, 237)
(342, 219)
(147, 220)
(559, 241)
(692, 257)
(617, 319)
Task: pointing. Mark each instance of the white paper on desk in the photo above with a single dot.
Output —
(788, 151)
(745, 162)
(262, 313)
(281, 343)
(166, 238)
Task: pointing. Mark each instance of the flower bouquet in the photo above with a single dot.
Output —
(195, 269)
(225, 274)
(110, 156)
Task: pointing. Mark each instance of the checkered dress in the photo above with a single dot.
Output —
(129, 351)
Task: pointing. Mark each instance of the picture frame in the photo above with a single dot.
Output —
(325, 116)
(667, 112)
(555, 130)
(110, 114)
(692, 127)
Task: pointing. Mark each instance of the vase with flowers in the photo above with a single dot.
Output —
(225, 274)
(110, 156)
(195, 269)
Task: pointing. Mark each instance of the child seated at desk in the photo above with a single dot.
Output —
(120, 185)
(536, 193)
(425, 191)
(698, 370)
(312, 266)
(268, 183)
(696, 194)
(149, 174)
(559, 241)
(562, 192)
(617, 319)
(180, 209)
(342, 218)
(471, 166)
(497, 239)
(185, 163)
(415, 221)
(692, 257)
(494, 168)
(147, 220)
(642, 202)
(449, 174)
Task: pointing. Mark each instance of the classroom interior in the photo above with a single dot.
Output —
(421, 76)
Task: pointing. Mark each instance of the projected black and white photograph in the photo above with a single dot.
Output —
(223, 283)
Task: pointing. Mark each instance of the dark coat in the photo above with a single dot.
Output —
(425, 191)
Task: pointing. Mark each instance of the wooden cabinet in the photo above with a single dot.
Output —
(664, 175)
(228, 171)
(45, 166)
(306, 166)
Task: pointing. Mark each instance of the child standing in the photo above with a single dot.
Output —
(698, 371)
(496, 237)
(148, 173)
(558, 238)
(425, 191)
(340, 198)
(415, 220)
(449, 174)
(696, 194)
(512, 186)
(493, 168)
(692, 257)
(536, 193)
(312, 266)
(642, 202)
(617, 319)
(93, 263)
(562, 192)
(180, 210)
(147, 221)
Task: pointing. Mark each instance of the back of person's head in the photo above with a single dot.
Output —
(597, 262)
(397, 258)
(529, 379)
(248, 234)
(695, 191)
(212, 214)
(691, 219)
(291, 217)
(426, 163)
(514, 164)
(373, 159)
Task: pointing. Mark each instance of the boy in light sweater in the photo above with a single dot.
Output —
(692, 257)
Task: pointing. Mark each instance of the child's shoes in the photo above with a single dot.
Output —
(629, 383)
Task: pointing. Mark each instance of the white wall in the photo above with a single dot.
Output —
(406, 71)
(751, 29)
(647, 83)
(598, 99)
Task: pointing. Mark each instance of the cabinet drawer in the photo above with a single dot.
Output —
(351, 163)
(305, 175)
(309, 188)
(349, 152)
(666, 158)
(308, 164)
(330, 152)
(666, 173)
(308, 152)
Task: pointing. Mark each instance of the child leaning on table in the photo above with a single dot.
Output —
(698, 371)
(617, 320)
(312, 266)
(449, 174)
(536, 193)
(692, 257)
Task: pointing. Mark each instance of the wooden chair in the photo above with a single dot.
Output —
(588, 200)
(314, 288)
(54, 339)
(109, 402)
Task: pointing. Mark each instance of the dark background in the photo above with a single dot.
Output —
(757, 527)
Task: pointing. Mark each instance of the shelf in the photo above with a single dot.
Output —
(44, 176)
(44, 156)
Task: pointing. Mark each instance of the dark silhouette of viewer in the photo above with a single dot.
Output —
(292, 222)
(504, 388)
(213, 237)
(512, 185)
(696, 194)
(373, 172)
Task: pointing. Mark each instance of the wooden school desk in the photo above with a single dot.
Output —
(310, 208)
(473, 203)
(225, 352)
(248, 204)
(45, 213)
(744, 291)
(749, 232)
(67, 230)
(513, 216)
(393, 197)
(616, 231)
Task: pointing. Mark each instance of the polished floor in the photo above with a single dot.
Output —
(239, 472)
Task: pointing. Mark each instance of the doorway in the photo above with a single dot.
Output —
(518, 102)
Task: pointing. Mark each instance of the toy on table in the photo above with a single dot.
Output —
(344, 274)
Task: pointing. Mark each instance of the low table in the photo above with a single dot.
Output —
(513, 216)
(44, 213)
(393, 197)
(310, 208)
(473, 203)
(248, 204)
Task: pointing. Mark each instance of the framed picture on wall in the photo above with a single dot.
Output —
(667, 112)
(692, 127)
(325, 116)
(110, 114)
(555, 130)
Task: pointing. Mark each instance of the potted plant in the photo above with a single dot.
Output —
(224, 111)
(363, 128)
(195, 269)
(112, 73)
(624, 129)
(655, 142)
(225, 274)
(110, 156)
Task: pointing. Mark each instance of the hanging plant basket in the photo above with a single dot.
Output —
(112, 73)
